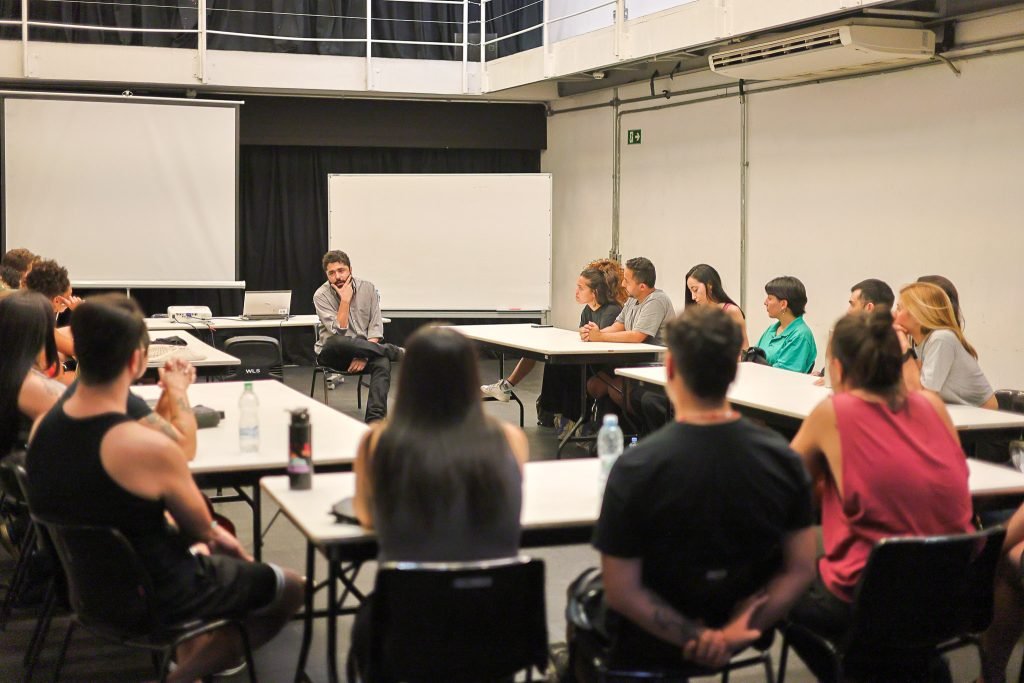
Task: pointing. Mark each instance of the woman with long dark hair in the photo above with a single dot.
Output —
(439, 480)
(26, 337)
(704, 288)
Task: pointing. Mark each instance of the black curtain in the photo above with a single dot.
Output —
(283, 208)
(505, 17)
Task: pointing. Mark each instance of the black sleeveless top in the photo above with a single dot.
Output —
(67, 481)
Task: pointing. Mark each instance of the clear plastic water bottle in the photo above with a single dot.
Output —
(632, 442)
(609, 447)
(249, 420)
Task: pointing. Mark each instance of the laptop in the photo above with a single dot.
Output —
(267, 305)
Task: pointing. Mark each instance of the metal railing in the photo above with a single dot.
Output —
(452, 28)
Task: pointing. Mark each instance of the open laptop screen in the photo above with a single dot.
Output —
(267, 305)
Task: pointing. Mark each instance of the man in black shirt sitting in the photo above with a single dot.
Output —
(89, 462)
(705, 528)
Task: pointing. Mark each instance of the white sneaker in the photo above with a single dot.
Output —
(501, 391)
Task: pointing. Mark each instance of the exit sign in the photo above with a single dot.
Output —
(633, 137)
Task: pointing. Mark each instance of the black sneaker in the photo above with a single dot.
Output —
(544, 418)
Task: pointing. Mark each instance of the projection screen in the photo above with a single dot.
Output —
(123, 189)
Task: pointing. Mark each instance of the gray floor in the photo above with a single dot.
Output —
(93, 661)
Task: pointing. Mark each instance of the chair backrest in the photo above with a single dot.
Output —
(260, 356)
(919, 592)
(108, 588)
(457, 622)
(9, 484)
(1011, 400)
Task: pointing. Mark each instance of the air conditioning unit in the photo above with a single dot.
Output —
(829, 50)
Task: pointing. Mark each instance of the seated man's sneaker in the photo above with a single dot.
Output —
(501, 390)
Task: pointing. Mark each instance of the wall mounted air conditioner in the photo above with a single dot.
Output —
(829, 50)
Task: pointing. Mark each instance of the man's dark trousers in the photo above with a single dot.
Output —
(337, 353)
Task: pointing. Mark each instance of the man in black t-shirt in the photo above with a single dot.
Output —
(705, 528)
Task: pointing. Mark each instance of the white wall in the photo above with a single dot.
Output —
(579, 157)
(891, 176)
(680, 193)
(897, 176)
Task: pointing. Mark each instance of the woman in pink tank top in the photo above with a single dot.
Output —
(886, 462)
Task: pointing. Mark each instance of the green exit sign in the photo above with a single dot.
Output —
(633, 137)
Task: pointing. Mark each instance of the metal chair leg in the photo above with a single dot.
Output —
(783, 657)
(63, 651)
(35, 647)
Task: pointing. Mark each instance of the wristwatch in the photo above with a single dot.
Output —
(909, 353)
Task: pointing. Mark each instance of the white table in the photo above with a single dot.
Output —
(219, 461)
(560, 506)
(556, 346)
(231, 323)
(202, 355)
(236, 323)
(794, 395)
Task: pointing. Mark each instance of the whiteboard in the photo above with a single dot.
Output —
(123, 189)
(459, 242)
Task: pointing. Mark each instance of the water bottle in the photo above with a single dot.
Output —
(632, 442)
(300, 451)
(249, 420)
(609, 448)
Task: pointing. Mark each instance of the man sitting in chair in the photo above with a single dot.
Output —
(90, 463)
(705, 528)
(351, 331)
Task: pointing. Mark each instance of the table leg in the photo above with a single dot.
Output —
(257, 523)
(583, 413)
(332, 616)
(307, 622)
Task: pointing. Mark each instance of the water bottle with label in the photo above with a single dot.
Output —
(249, 420)
(609, 448)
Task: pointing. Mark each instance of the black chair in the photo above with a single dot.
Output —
(322, 370)
(110, 595)
(612, 674)
(459, 622)
(261, 358)
(918, 597)
(1011, 400)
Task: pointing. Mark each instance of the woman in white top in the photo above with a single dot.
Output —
(941, 359)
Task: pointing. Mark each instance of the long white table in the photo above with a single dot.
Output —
(561, 503)
(196, 351)
(236, 323)
(558, 347)
(219, 460)
(794, 395)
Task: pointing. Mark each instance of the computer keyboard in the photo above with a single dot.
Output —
(168, 351)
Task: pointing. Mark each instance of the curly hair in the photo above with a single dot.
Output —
(613, 274)
(19, 259)
(49, 278)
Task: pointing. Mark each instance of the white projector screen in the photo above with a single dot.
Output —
(123, 190)
(459, 242)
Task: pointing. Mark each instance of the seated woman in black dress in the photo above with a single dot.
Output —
(26, 338)
(439, 480)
